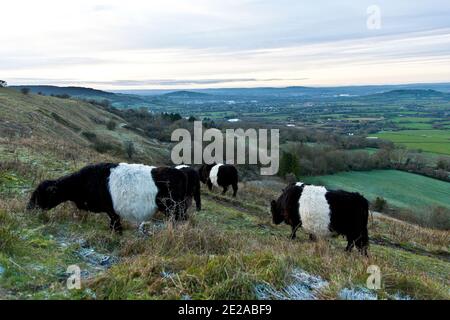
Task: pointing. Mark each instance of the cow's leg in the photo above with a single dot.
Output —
(198, 201)
(294, 231)
(209, 184)
(235, 189)
(312, 237)
(225, 189)
(362, 242)
(350, 243)
(115, 223)
(184, 207)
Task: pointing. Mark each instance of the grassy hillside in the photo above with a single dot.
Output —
(229, 250)
(116, 99)
(399, 188)
(45, 120)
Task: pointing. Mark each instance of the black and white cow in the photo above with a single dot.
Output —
(219, 175)
(321, 213)
(193, 184)
(133, 192)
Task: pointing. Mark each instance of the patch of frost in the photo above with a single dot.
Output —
(303, 286)
(357, 293)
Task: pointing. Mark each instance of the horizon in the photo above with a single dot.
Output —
(237, 88)
(109, 45)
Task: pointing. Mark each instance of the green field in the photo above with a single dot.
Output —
(437, 141)
(400, 189)
(415, 123)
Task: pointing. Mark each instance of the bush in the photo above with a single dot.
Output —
(61, 96)
(380, 204)
(102, 147)
(172, 116)
(443, 164)
(25, 91)
(111, 125)
(89, 135)
(439, 218)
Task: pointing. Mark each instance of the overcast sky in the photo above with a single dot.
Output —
(217, 43)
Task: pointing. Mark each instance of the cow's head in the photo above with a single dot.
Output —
(46, 196)
(277, 215)
(204, 171)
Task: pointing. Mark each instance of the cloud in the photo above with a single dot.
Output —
(139, 83)
(213, 43)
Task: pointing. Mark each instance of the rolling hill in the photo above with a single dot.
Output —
(305, 91)
(46, 119)
(116, 99)
(185, 94)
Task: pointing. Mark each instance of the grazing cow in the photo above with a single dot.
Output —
(321, 212)
(133, 192)
(219, 175)
(193, 184)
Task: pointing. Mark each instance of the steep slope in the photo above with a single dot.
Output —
(69, 121)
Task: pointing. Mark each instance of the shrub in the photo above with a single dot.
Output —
(443, 164)
(102, 146)
(89, 135)
(111, 125)
(25, 91)
(380, 204)
(172, 116)
(439, 218)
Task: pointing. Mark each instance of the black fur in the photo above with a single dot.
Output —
(193, 185)
(227, 176)
(172, 186)
(285, 209)
(88, 189)
(349, 214)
